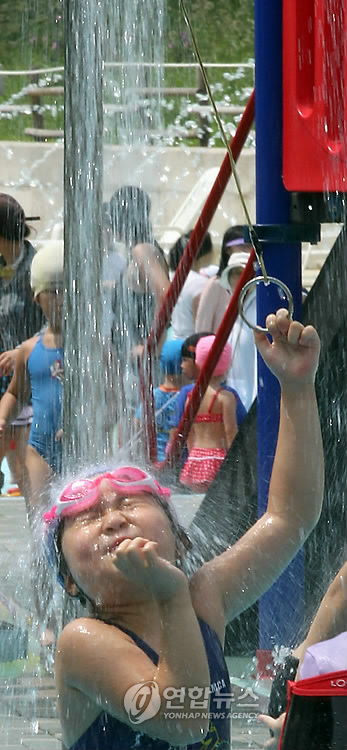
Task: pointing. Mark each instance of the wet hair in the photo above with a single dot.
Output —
(233, 233)
(129, 210)
(179, 247)
(13, 226)
(189, 344)
(128, 215)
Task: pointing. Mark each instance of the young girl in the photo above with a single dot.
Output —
(19, 319)
(215, 424)
(39, 368)
(147, 667)
(165, 396)
(215, 296)
(184, 313)
(39, 372)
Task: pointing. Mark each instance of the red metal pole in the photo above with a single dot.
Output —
(148, 408)
(201, 226)
(190, 252)
(193, 403)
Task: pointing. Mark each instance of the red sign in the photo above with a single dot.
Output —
(315, 95)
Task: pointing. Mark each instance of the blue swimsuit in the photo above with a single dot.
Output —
(45, 368)
(108, 733)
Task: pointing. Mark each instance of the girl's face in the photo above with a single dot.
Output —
(189, 368)
(51, 303)
(90, 540)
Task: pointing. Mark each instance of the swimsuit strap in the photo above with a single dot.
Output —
(209, 417)
(136, 638)
(216, 394)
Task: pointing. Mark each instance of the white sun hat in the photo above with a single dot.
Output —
(236, 260)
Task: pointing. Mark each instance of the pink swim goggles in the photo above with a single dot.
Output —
(83, 493)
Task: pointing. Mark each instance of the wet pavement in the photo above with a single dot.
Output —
(28, 714)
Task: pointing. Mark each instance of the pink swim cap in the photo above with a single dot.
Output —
(202, 351)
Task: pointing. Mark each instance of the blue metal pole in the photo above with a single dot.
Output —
(281, 608)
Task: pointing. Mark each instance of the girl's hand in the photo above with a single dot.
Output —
(293, 355)
(275, 726)
(8, 362)
(138, 560)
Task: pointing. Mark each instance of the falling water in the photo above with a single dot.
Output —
(83, 357)
(124, 35)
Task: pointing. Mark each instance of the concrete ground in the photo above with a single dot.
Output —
(28, 716)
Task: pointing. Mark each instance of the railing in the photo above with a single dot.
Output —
(196, 105)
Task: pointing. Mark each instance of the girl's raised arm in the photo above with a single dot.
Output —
(245, 571)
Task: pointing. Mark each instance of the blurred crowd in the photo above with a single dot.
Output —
(136, 275)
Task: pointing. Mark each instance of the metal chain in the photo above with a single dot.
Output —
(252, 233)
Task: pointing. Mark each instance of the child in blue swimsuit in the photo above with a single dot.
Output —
(165, 395)
(39, 369)
(146, 669)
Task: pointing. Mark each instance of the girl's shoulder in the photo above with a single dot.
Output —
(77, 642)
(27, 347)
(227, 395)
(85, 626)
(209, 394)
(211, 282)
(73, 644)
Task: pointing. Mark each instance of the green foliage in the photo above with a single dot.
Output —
(224, 30)
(32, 36)
(31, 33)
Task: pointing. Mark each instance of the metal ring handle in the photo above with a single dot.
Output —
(260, 280)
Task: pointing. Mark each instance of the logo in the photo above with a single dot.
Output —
(339, 683)
(142, 701)
(57, 371)
(248, 693)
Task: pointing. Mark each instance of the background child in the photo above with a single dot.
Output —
(39, 371)
(243, 371)
(215, 424)
(165, 396)
(184, 313)
(19, 319)
(191, 371)
(215, 296)
(154, 636)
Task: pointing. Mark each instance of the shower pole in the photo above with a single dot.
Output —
(282, 607)
(83, 439)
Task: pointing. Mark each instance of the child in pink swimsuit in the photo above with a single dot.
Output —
(215, 424)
